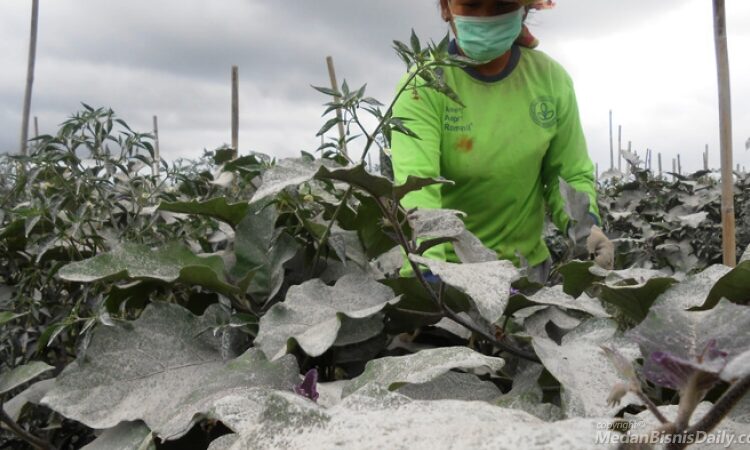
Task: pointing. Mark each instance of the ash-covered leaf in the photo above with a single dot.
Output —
(734, 286)
(487, 284)
(677, 343)
(21, 375)
(583, 370)
(262, 250)
(311, 316)
(737, 368)
(555, 296)
(436, 223)
(169, 264)
(166, 368)
(358, 176)
(577, 206)
(33, 394)
(633, 291)
(694, 289)
(526, 395)
(394, 371)
(452, 386)
(288, 172)
(125, 436)
(218, 208)
(379, 419)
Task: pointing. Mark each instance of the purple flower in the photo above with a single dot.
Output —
(673, 371)
(308, 387)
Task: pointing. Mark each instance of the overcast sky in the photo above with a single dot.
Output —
(652, 62)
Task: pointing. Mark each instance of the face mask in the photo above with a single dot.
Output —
(488, 38)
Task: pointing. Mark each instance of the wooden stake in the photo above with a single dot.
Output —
(29, 78)
(157, 157)
(597, 172)
(725, 124)
(674, 168)
(679, 164)
(235, 111)
(36, 126)
(335, 87)
(611, 144)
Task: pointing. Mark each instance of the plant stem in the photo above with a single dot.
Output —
(650, 405)
(21, 433)
(718, 412)
(327, 232)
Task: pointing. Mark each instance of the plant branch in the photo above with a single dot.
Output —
(437, 297)
(21, 433)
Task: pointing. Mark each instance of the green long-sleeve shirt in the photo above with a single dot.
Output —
(519, 132)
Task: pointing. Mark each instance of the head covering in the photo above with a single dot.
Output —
(526, 39)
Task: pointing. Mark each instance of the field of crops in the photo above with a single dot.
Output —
(248, 302)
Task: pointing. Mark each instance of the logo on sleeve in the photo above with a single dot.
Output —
(543, 112)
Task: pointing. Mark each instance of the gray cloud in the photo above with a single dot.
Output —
(172, 58)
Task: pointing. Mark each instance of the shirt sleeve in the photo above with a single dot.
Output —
(421, 111)
(567, 157)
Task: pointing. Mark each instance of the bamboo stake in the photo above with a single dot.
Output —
(157, 157)
(674, 168)
(597, 172)
(335, 87)
(679, 164)
(630, 150)
(725, 124)
(619, 148)
(611, 144)
(660, 171)
(36, 126)
(705, 159)
(235, 111)
(29, 78)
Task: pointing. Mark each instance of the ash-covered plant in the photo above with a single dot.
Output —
(299, 271)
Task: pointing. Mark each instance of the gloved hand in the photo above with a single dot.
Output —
(601, 248)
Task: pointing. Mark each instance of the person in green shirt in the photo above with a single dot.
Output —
(506, 150)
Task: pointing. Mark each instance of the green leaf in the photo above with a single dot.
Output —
(311, 316)
(413, 183)
(635, 300)
(734, 286)
(577, 277)
(7, 316)
(262, 250)
(21, 375)
(358, 176)
(487, 284)
(167, 369)
(172, 263)
(394, 371)
(328, 125)
(218, 208)
(125, 436)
